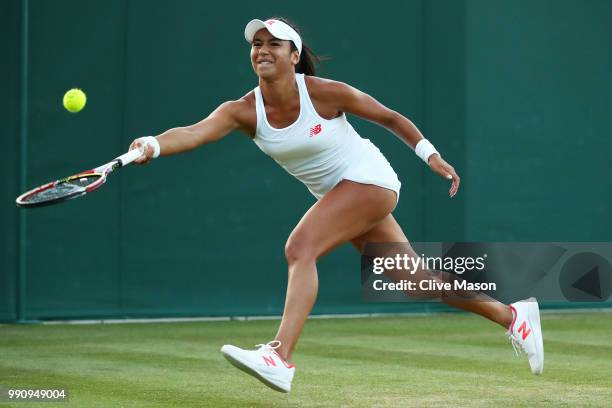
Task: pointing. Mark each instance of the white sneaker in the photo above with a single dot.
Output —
(264, 363)
(525, 332)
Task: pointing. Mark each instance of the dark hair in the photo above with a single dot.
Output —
(308, 59)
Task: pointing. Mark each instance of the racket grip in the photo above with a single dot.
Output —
(130, 156)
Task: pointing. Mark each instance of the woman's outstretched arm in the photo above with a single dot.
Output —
(358, 103)
(217, 125)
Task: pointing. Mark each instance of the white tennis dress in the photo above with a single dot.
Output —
(321, 152)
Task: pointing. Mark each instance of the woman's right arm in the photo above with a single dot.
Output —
(217, 125)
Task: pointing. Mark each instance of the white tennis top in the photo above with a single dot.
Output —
(321, 152)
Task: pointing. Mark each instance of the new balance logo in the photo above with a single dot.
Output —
(269, 361)
(315, 130)
(525, 331)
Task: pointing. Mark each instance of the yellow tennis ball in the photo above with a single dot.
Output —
(74, 100)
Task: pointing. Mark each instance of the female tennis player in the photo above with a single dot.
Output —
(300, 121)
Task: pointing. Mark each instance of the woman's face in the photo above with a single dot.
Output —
(271, 56)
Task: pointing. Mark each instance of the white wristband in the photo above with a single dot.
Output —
(152, 141)
(424, 149)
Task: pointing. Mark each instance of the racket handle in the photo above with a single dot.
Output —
(130, 156)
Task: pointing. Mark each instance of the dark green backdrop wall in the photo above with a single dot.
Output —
(515, 94)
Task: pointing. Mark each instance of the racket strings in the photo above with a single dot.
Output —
(67, 188)
(84, 181)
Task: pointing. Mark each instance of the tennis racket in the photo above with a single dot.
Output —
(76, 185)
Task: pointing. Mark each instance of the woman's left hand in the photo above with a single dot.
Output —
(437, 164)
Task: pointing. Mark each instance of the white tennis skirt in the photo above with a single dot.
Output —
(370, 166)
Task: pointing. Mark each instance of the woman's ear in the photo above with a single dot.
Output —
(295, 57)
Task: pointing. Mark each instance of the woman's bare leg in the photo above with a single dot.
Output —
(389, 231)
(347, 211)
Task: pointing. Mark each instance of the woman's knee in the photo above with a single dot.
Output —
(299, 248)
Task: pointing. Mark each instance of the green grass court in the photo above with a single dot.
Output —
(416, 361)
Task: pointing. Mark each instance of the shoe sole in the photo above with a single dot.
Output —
(243, 367)
(534, 321)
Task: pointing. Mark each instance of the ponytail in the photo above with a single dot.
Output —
(308, 61)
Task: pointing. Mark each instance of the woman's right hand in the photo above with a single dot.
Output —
(147, 153)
